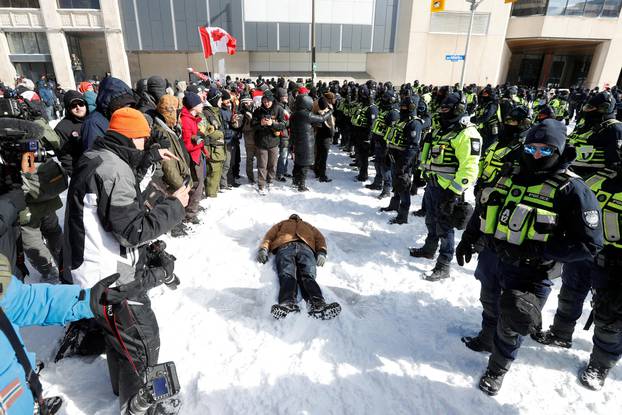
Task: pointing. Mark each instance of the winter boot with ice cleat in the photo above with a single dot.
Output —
(280, 311)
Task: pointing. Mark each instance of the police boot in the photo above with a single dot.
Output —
(549, 338)
(593, 376)
(478, 343)
(401, 218)
(280, 311)
(394, 204)
(386, 192)
(490, 383)
(439, 272)
(419, 213)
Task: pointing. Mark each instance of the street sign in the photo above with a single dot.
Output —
(454, 58)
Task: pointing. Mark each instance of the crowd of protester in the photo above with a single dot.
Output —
(137, 161)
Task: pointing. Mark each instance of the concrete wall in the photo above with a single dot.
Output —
(420, 54)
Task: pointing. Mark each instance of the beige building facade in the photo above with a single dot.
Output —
(531, 42)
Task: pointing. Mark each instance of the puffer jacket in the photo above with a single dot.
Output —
(292, 230)
(302, 135)
(32, 305)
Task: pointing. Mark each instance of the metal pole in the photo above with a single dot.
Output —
(313, 66)
(474, 4)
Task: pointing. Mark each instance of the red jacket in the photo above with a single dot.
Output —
(189, 129)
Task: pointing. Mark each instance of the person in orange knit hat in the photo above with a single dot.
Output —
(109, 223)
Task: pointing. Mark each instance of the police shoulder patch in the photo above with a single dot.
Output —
(476, 146)
(591, 218)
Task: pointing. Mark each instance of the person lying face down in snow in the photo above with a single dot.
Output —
(298, 247)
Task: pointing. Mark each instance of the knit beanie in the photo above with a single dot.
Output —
(129, 123)
(191, 100)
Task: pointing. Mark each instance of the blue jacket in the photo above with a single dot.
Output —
(96, 123)
(32, 305)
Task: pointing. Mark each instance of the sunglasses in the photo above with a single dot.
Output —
(545, 151)
(78, 104)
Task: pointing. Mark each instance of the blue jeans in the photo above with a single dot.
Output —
(281, 164)
(295, 265)
(439, 228)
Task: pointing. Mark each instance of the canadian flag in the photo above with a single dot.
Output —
(215, 39)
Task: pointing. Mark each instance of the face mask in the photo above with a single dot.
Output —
(592, 117)
(541, 165)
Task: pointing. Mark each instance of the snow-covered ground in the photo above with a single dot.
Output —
(395, 349)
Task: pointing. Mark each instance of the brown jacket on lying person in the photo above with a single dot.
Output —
(291, 230)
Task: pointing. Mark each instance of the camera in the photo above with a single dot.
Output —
(13, 145)
(160, 383)
(157, 257)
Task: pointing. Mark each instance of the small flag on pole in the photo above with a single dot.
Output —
(437, 6)
(215, 40)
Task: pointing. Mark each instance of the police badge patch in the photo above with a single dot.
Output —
(591, 218)
(475, 147)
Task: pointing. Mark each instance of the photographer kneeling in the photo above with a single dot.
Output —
(107, 226)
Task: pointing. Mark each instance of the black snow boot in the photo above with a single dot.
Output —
(549, 338)
(373, 186)
(394, 205)
(179, 230)
(401, 218)
(280, 311)
(593, 376)
(477, 343)
(421, 253)
(490, 383)
(439, 272)
(320, 310)
(419, 213)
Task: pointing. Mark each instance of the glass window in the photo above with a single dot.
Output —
(593, 8)
(27, 42)
(574, 7)
(78, 4)
(529, 8)
(32, 4)
(556, 7)
(611, 8)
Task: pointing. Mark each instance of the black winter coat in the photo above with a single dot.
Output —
(68, 130)
(302, 135)
(267, 137)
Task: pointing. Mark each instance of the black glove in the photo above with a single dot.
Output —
(262, 256)
(102, 295)
(464, 252)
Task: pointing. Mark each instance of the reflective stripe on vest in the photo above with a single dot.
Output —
(441, 156)
(359, 117)
(587, 154)
(611, 205)
(379, 126)
(515, 214)
(492, 162)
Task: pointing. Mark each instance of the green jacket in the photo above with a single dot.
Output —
(174, 171)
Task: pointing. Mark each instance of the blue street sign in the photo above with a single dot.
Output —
(454, 58)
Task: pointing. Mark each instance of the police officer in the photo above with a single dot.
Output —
(488, 117)
(607, 350)
(596, 140)
(499, 157)
(388, 114)
(471, 98)
(362, 120)
(403, 142)
(534, 219)
(449, 164)
(560, 105)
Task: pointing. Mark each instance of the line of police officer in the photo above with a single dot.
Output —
(546, 204)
